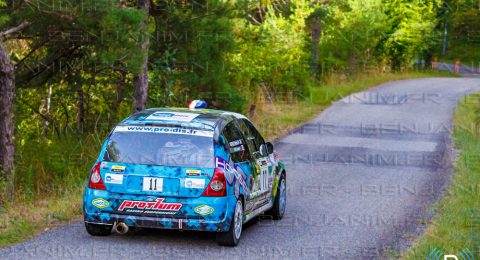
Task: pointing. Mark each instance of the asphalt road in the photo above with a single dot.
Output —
(360, 178)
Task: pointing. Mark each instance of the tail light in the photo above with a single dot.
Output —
(217, 186)
(96, 181)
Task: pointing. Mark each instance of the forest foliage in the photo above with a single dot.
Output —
(76, 62)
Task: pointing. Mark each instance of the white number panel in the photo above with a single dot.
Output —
(152, 184)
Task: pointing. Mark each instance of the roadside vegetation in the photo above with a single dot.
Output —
(456, 225)
(69, 72)
(461, 19)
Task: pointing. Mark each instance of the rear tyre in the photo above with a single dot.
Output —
(278, 209)
(98, 230)
(232, 236)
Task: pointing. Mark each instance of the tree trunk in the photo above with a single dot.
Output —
(141, 80)
(353, 62)
(7, 92)
(47, 103)
(315, 43)
(119, 95)
(80, 108)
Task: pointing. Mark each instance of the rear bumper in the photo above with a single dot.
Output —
(216, 219)
(159, 222)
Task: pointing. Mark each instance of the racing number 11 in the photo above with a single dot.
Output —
(152, 184)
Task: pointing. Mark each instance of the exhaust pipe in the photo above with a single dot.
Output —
(121, 228)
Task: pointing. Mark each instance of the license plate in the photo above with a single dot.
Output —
(152, 184)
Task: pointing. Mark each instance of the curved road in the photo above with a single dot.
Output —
(361, 175)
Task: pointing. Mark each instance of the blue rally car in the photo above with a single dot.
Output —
(185, 169)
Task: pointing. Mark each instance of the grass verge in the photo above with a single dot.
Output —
(456, 225)
(61, 201)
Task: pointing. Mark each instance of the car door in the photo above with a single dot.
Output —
(239, 155)
(262, 176)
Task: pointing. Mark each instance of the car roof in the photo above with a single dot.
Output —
(200, 118)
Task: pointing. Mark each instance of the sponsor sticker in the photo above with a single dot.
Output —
(100, 203)
(235, 143)
(191, 172)
(163, 130)
(157, 206)
(114, 178)
(240, 177)
(194, 183)
(204, 210)
(237, 149)
(118, 168)
(172, 116)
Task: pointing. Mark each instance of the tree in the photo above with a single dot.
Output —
(81, 66)
(273, 56)
(141, 79)
(7, 93)
(52, 36)
(352, 34)
(316, 21)
(412, 30)
(315, 39)
(7, 90)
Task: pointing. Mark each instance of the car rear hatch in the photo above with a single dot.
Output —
(152, 180)
(167, 161)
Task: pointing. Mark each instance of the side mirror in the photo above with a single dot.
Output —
(263, 150)
(269, 147)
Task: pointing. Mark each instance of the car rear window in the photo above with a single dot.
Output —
(161, 146)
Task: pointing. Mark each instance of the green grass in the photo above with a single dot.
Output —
(49, 185)
(52, 175)
(456, 225)
(23, 220)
